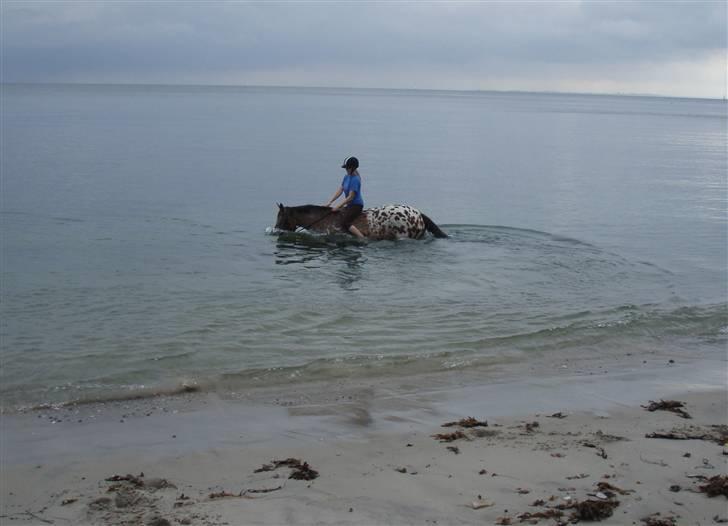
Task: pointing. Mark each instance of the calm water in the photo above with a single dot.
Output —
(137, 251)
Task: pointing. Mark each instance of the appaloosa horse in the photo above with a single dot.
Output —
(386, 222)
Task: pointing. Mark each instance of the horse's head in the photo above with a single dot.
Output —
(285, 220)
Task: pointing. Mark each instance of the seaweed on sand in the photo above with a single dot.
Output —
(131, 479)
(593, 510)
(449, 437)
(717, 434)
(300, 470)
(716, 486)
(548, 514)
(656, 520)
(224, 494)
(467, 422)
(668, 405)
(605, 486)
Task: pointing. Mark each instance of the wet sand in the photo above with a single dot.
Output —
(553, 441)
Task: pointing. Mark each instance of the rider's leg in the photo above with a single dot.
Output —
(354, 230)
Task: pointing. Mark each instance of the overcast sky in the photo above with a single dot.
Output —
(656, 47)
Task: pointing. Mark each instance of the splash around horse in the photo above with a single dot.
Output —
(386, 222)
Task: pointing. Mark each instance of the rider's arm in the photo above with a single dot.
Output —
(350, 198)
(335, 196)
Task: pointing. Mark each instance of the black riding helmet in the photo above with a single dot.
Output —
(351, 162)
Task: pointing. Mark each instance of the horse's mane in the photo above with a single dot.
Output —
(307, 209)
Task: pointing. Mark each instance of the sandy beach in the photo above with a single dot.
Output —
(532, 327)
(571, 444)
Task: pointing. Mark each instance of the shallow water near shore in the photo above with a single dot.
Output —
(138, 255)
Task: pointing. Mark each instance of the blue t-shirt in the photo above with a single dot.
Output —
(352, 183)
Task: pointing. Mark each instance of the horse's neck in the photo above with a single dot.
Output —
(313, 218)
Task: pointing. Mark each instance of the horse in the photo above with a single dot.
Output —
(385, 222)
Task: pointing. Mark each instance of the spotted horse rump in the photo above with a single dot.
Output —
(395, 221)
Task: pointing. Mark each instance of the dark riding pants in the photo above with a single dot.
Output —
(348, 216)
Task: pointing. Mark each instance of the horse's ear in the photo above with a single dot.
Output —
(280, 206)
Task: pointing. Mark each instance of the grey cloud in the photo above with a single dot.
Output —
(57, 41)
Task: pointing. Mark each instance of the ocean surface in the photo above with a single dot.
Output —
(138, 252)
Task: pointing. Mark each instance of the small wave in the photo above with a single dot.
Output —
(623, 326)
(67, 219)
(359, 367)
(323, 369)
(118, 394)
(465, 230)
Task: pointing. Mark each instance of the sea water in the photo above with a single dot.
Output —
(138, 252)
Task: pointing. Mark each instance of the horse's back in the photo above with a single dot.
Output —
(395, 221)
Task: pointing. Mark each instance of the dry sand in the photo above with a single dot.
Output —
(550, 442)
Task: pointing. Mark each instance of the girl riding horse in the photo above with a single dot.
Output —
(386, 222)
(353, 202)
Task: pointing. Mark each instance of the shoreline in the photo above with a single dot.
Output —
(374, 449)
(586, 346)
(255, 386)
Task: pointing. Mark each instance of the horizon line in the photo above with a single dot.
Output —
(276, 86)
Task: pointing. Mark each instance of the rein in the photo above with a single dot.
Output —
(327, 214)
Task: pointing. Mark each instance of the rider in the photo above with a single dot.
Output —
(353, 203)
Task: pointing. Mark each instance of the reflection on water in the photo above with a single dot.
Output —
(292, 249)
(350, 272)
(340, 253)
